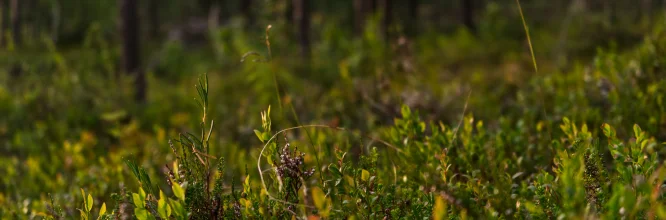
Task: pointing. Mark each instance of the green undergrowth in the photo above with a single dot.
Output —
(431, 128)
(412, 169)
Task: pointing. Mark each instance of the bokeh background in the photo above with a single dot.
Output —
(86, 84)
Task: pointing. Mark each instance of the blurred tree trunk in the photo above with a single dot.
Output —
(27, 22)
(468, 15)
(373, 6)
(15, 14)
(646, 9)
(246, 10)
(55, 20)
(609, 11)
(361, 10)
(289, 18)
(213, 17)
(413, 9)
(386, 10)
(412, 22)
(154, 18)
(289, 11)
(129, 26)
(3, 24)
(302, 19)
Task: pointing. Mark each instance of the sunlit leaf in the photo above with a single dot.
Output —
(89, 203)
(637, 131)
(320, 201)
(365, 175)
(439, 211)
(141, 213)
(138, 202)
(102, 210)
(84, 216)
(162, 206)
(178, 192)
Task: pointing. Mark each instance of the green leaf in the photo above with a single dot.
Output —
(335, 170)
(178, 209)
(142, 194)
(269, 159)
(365, 175)
(162, 206)
(168, 210)
(319, 198)
(84, 216)
(320, 201)
(138, 202)
(608, 130)
(178, 191)
(661, 211)
(440, 210)
(259, 135)
(141, 213)
(102, 210)
(83, 195)
(246, 184)
(406, 112)
(531, 207)
(637, 131)
(89, 203)
(113, 116)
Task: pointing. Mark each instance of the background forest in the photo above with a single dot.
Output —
(340, 109)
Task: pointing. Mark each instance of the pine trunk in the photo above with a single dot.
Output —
(361, 10)
(246, 10)
(15, 14)
(3, 25)
(302, 18)
(386, 10)
(154, 18)
(468, 15)
(130, 46)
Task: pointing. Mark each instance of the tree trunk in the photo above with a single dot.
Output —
(361, 10)
(373, 6)
(129, 26)
(413, 7)
(3, 25)
(246, 10)
(15, 14)
(154, 18)
(55, 20)
(289, 11)
(302, 18)
(646, 9)
(468, 15)
(213, 17)
(412, 21)
(609, 11)
(27, 21)
(386, 10)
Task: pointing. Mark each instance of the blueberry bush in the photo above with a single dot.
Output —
(486, 123)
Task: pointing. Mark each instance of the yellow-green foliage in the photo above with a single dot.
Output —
(441, 125)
